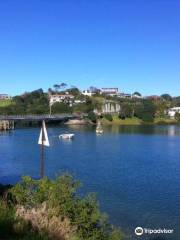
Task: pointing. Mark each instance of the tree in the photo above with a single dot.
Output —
(109, 117)
(137, 93)
(50, 91)
(74, 91)
(177, 117)
(127, 110)
(56, 87)
(166, 97)
(94, 89)
(92, 117)
(61, 108)
(63, 85)
(146, 111)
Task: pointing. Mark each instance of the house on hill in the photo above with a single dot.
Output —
(5, 97)
(172, 112)
(61, 98)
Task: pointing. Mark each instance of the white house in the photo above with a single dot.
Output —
(88, 93)
(110, 91)
(125, 95)
(4, 96)
(65, 98)
(172, 112)
(79, 101)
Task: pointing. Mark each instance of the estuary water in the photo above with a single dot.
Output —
(135, 170)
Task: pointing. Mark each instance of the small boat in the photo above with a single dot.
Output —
(99, 129)
(66, 136)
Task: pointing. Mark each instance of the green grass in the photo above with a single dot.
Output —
(137, 121)
(5, 103)
(118, 121)
(165, 121)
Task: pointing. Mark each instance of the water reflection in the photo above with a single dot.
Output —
(143, 129)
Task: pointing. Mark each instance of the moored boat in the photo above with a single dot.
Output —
(66, 136)
(99, 129)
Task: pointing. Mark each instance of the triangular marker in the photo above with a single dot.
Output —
(43, 137)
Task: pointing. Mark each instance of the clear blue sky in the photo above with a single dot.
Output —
(132, 44)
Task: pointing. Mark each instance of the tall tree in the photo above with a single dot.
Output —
(166, 97)
(56, 87)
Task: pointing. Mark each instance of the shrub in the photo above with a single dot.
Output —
(108, 116)
(177, 117)
(92, 117)
(61, 108)
(62, 200)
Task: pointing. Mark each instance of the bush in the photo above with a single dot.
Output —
(92, 117)
(146, 111)
(13, 227)
(61, 108)
(108, 117)
(177, 117)
(63, 201)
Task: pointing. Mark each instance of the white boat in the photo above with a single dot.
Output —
(66, 136)
(99, 129)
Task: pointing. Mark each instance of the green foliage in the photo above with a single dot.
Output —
(92, 117)
(137, 93)
(13, 227)
(177, 117)
(146, 111)
(61, 108)
(6, 219)
(62, 196)
(166, 97)
(108, 116)
(74, 91)
(35, 102)
(6, 102)
(127, 111)
(116, 234)
(84, 107)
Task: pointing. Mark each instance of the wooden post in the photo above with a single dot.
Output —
(42, 153)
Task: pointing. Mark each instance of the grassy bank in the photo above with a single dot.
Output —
(52, 209)
(6, 103)
(117, 121)
(136, 121)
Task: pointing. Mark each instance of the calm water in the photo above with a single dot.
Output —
(134, 170)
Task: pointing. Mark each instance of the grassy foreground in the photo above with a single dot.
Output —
(46, 209)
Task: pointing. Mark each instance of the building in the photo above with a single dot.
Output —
(125, 95)
(109, 91)
(172, 112)
(109, 107)
(79, 101)
(88, 93)
(61, 98)
(4, 97)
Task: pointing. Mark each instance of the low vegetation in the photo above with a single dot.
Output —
(53, 209)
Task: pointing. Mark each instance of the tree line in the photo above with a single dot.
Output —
(37, 102)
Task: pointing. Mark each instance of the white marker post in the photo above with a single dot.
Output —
(43, 141)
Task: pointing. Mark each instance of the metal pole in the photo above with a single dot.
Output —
(42, 153)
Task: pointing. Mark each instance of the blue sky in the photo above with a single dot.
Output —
(132, 44)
